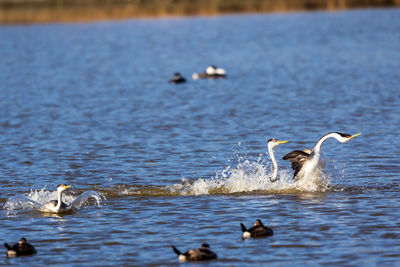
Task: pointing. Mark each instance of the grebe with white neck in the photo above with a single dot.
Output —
(312, 162)
(272, 143)
(57, 206)
(51, 203)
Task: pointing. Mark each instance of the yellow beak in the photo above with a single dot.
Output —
(282, 142)
(68, 186)
(354, 135)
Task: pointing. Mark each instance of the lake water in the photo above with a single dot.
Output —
(89, 104)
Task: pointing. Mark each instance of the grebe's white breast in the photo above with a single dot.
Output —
(51, 206)
(314, 166)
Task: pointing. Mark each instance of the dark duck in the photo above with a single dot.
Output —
(200, 254)
(257, 231)
(22, 248)
(177, 78)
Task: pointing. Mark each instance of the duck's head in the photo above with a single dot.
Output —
(176, 76)
(258, 223)
(205, 246)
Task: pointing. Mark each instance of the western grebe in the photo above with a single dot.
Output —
(57, 206)
(272, 143)
(258, 230)
(200, 254)
(312, 162)
(177, 78)
(211, 72)
(22, 248)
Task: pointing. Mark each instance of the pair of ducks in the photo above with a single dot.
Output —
(211, 72)
(258, 230)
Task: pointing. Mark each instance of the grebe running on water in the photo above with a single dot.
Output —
(57, 206)
(312, 162)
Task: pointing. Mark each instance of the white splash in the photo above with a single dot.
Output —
(250, 176)
(36, 199)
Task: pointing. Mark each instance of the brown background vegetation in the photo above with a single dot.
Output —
(42, 11)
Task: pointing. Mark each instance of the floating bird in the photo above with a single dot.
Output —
(177, 78)
(22, 248)
(57, 206)
(272, 143)
(200, 254)
(211, 72)
(258, 230)
(312, 162)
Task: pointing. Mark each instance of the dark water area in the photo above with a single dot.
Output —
(89, 104)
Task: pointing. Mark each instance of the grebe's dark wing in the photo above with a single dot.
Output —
(297, 158)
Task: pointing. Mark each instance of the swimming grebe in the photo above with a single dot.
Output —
(57, 206)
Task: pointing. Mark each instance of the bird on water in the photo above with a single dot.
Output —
(200, 254)
(177, 78)
(22, 248)
(272, 143)
(256, 231)
(312, 162)
(211, 72)
(57, 206)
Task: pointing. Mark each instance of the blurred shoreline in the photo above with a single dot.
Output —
(47, 11)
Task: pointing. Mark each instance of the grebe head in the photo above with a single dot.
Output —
(22, 240)
(273, 142)
(345, 137)
(62, 187)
